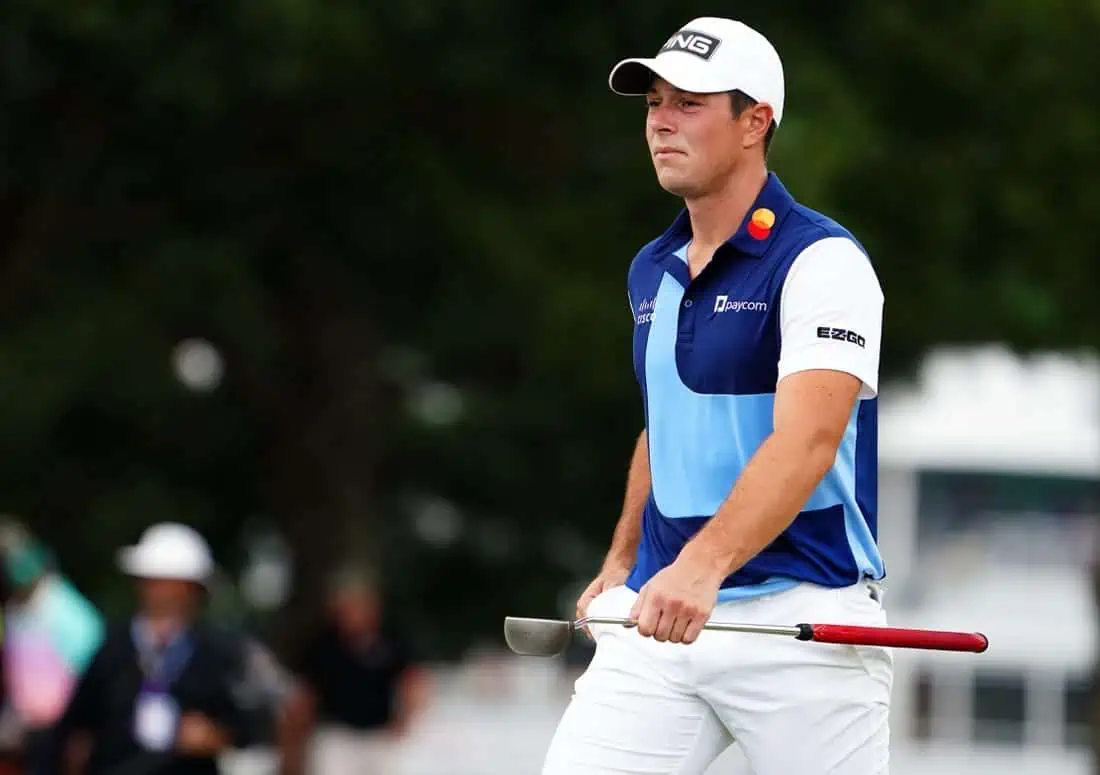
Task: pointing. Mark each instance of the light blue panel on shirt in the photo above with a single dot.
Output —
(698, 443)
(769, 587)
(839, 486)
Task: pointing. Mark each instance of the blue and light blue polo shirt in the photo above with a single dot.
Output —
(790, 290)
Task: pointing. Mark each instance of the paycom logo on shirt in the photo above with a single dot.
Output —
(724, 304)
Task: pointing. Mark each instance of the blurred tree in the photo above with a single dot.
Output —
(406, 227)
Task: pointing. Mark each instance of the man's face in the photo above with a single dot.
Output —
(356, 611)
(694, 139)
(167, 596)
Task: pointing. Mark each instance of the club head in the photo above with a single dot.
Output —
(537, 637)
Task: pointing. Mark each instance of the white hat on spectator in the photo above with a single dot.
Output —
(168, 551)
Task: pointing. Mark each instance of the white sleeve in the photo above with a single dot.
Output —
(830, 313)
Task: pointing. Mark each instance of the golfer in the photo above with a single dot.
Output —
(751, 495)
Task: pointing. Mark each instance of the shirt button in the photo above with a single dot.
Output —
(687, 303)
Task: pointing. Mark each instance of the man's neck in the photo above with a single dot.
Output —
(716, 217)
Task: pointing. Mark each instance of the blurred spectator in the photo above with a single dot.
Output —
(359, 688)
(266, 688)
(165, 693)
(50, 634)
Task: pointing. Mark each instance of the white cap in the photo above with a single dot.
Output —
(168, 551)
(709, 55)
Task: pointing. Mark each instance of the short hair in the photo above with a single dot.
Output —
(739, 103)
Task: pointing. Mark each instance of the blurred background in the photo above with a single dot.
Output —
(341, 285)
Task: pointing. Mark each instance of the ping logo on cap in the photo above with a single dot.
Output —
(760, 225)
(698, 43)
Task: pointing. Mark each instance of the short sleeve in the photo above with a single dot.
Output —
(830, 313)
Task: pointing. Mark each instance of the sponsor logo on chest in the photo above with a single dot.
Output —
(723, 303)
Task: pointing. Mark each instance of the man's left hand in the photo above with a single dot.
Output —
(676, 603)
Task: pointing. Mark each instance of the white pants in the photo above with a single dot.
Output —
(793, 707)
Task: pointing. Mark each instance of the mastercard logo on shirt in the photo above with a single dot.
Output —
(760, 225)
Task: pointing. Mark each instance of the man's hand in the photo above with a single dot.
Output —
(612, 575)
(199, 736)
(676, 603)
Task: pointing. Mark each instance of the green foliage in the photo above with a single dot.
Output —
(355, 200)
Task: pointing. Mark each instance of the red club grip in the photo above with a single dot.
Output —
(898, 637)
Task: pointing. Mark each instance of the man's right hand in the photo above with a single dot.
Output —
(610, 576)
(199, 736)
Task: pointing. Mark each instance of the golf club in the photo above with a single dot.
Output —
(547, 637)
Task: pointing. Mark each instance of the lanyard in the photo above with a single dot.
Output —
(161, 667)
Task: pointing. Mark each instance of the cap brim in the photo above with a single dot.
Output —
(133, 563)
(634, 77)
(128, 561)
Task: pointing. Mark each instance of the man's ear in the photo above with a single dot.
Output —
(759, 121)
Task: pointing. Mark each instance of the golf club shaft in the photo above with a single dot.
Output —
(853, 635)
(762, 629)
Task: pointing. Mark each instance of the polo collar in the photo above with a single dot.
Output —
(755, 234)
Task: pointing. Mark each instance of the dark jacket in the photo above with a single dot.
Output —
(212, 683)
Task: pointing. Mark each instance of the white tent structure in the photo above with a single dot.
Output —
(982, 410)
(988, 411)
